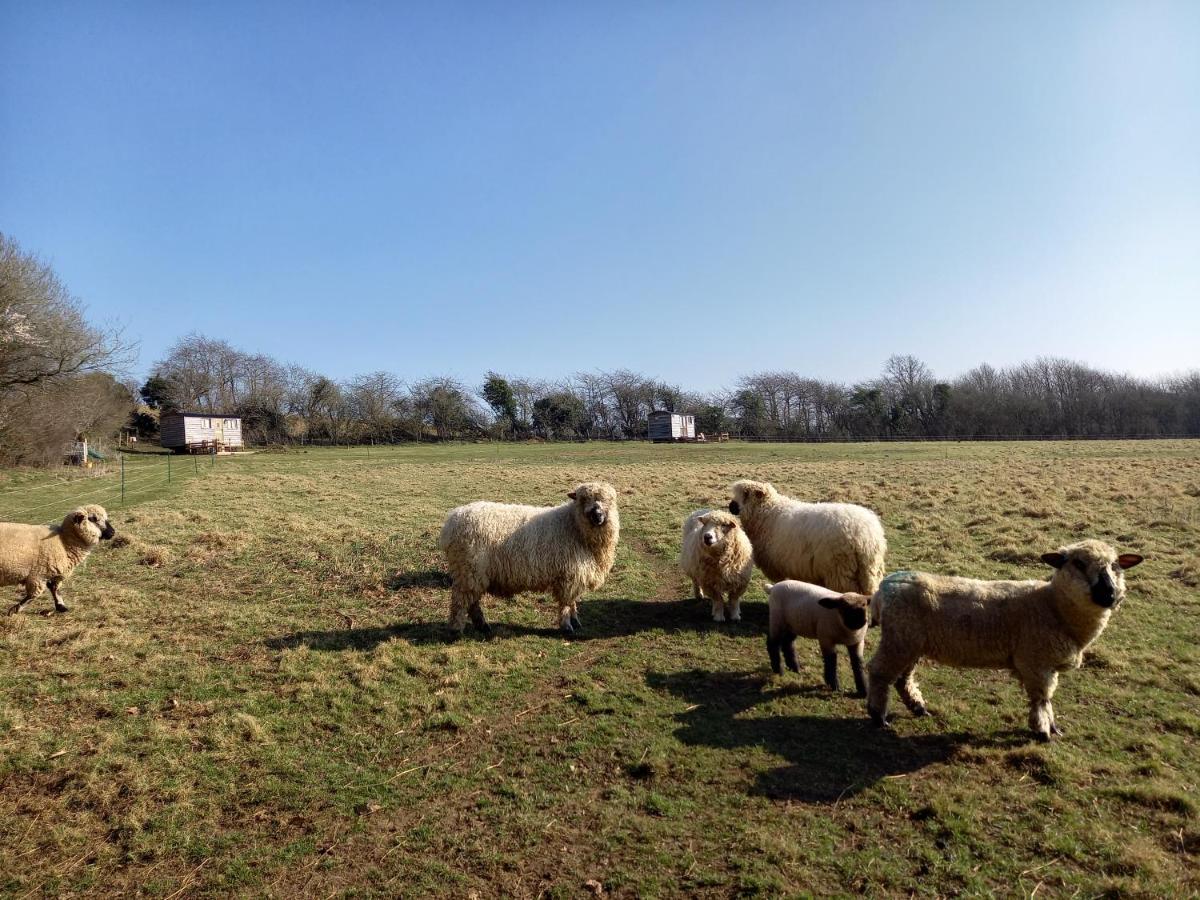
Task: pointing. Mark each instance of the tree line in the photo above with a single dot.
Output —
(1047, 397)
(60, 378)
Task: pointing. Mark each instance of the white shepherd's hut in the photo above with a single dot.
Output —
(192, 432)
(669, 426)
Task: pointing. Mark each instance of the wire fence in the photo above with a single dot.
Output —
(128, 480)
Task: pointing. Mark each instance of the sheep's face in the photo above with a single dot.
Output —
(595, 501)
(851, 607)
(747, 495)
(716, 528)
(1091, 571)
(89, 525)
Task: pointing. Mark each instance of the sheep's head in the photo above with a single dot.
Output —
(595, 501)
(89, 525)
(717, 527)
(748, 494)
(851, 607)
(1091, 571)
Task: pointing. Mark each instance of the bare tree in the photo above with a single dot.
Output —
(43, 333)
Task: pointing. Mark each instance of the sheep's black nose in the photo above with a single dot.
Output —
(1104, 591)
(108, 532)
(734, 507)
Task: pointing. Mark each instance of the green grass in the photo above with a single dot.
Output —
(255, 694)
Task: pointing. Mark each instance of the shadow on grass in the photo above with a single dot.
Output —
(830, 757)
(602, 619)
(429, 578)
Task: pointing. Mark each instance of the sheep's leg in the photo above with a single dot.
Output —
(910, 692)
(575, 623)
(718, 607)
(831, 669)
(734, 607)
(33, 590)
(475, 611)
(856, 666)
(55, 584)
(1040, 687)
(789, 653)
(460, 602)
(697, 594)
(886, 666)
(773, 652)
(565, 604)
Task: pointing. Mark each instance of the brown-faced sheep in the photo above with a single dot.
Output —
(504, 549)
(1035, 629)
(840, 546)
(716, 555)
(39, 555)
(797, 609)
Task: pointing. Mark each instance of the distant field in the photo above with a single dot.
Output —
(255, 694)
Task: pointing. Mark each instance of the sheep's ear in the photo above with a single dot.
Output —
(851, 599)
(571, 494)
(1129, 560)
(1054, 559)
(759, 492)
(79, 517)
(832, 602)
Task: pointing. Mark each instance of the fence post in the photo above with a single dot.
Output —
(122, 479)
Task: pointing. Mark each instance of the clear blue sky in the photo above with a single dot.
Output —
(689, 189)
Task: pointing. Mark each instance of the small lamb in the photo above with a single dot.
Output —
(1035, 629)
(798, 609)
(716, 555)
(39, 555)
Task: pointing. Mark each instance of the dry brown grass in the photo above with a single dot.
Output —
(269, 707)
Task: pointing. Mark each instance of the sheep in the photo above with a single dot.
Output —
(39, 555)
(1035, 629)
(716, 555)
(798, 609)
(505, 549)
(840, 546)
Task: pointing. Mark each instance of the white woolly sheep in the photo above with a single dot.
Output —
(798, 609)
(1035, 629)
(840, 546)
(716, 555)
(39, 555)
(504, 549)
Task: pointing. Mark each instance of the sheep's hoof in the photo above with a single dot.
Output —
(1043, 736)
(1055, 730)
(859, 695)
(455, 634)
(880, 721)
(920, 711)
(62, 607)
(485, 630)
(576, 624)
(14, 609)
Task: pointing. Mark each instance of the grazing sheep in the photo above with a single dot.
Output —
(39, 555)
(504, 549)
(1035, 629)
(798, 609)
(840, 546)
(716, 556)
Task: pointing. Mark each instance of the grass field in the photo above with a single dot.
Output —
(255, 694)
